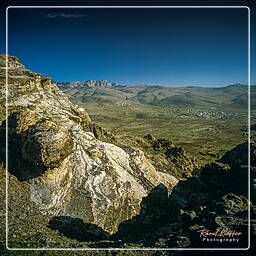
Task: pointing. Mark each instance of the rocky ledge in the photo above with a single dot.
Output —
(59, 152)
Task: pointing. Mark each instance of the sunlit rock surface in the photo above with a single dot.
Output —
(70, 172)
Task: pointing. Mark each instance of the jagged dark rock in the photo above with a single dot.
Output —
(170, 158)
(215, 200)
(155, 202)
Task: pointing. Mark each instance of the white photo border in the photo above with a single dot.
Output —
(129, 249)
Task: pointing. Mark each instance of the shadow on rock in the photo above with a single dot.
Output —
(75, 228)
(154, 214)
(34, 144)
(18, 166)
(210, 210)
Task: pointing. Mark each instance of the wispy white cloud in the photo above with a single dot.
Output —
(64, 15)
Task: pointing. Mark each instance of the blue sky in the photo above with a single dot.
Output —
(171, 47)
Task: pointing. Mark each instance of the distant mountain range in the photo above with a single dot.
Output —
(88, 83)
(230, 97)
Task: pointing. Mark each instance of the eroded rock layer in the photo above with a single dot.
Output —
(54, 146)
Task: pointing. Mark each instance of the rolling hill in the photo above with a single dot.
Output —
(192, 96)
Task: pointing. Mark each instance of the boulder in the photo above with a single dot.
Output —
(47, 144)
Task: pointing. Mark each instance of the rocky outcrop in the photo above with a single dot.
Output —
(100, 133)
(70, 171)
(170, 158)
(13, 62)
(215, 201)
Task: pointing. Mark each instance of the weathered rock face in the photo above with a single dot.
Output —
(170, 158)
(70, 171)
(13, 62)
(100, 133)
(47, 144)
